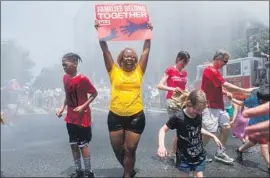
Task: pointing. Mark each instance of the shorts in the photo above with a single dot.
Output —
(134, 123)
(79, 135)
(261, 141)
(230, 111)
(213, 118)
(185, 167)
(170, 110)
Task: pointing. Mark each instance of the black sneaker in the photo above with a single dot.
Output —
(89, 174)
(239, 156)
(76, 174)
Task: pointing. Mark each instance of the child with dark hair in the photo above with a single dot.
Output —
(77, 87)
(257, 97)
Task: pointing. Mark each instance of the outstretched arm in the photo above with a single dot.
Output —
(146, 50)
(106, 55)
(237, 102)
(233, 88)
(145, 55)
(106, 52)
(258, 131)
(257, 111)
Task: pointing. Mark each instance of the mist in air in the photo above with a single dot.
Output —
(35, 35)
(48, 30)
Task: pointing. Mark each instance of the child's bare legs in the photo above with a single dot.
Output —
(195, 174)
(76, 156)
(246, 146)
(198, 174)
(265, 153)
(183, 174)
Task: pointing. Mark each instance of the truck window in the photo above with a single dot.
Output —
(233, 69)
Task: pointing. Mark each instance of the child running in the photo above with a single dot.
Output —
(190, 154)
(258, 97)
(239, 123)
(78, 118)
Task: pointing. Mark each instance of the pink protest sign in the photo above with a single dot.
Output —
(122, 22)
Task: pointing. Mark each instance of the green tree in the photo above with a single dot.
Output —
(264, 40)
(238, 47)
(49, 77)
(15, 63)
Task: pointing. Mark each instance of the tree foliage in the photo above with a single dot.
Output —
(49, 77)
(238, 48)
(15, 63)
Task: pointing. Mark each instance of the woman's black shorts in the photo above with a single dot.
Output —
(134, 123)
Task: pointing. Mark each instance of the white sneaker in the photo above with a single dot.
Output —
(223, 157)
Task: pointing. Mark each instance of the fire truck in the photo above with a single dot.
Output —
(243, 72)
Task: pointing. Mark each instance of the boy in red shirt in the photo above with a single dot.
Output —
(78, 118)
(215, 115)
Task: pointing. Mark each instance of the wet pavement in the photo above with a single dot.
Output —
(37, 145)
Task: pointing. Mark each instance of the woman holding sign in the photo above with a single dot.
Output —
(126, 119)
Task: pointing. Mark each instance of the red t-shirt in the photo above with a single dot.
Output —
(76, 89)
(212, 82)
(175, 79)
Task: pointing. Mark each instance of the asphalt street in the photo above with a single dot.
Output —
(37, 146)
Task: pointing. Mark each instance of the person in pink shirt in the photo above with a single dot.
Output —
(239, 123)
(174, 77)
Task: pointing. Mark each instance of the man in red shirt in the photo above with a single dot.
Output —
(173, 78)
(215, 115)
(78, 118)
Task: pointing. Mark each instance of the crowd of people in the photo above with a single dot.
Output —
(197, 116)
(28, 99)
